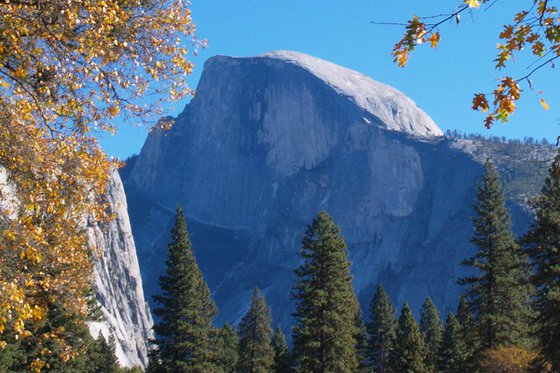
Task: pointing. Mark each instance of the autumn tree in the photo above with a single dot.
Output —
(542, 245)
(67, 69)
(533, 30)
(507, 360)
(381, 330)
(326, 307)
(498, 290)
(185, 309)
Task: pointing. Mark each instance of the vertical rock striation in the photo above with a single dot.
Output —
(270, 141)
(118, 283)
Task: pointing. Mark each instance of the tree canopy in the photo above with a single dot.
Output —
(68, 68)
(534, 30)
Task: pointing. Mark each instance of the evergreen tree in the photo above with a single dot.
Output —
(282, 360)
(431, 327)
(409, 351)
(255, 350)
(227, 349)
(326, 307)
(186, 310)
(381, 330)
(12, 356)
(154, 362)
(108, 359)
(469, 335)
(453, 354)
(498, 292)
(542, 245)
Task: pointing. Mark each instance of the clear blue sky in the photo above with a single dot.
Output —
(441, 81)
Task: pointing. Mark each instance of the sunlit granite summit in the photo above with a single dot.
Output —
(267, 143)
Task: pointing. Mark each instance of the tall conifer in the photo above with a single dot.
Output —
(542, 243)
(282, 361)
(431, 327)
(381, 330)
(227, 348)
(185, 308)
(326, 306)
(255, 349)
(409, 351)
(469, 335)
(453, 354)
(498, 292)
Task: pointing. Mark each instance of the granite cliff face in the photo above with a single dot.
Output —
(270, 141)
(118, 284)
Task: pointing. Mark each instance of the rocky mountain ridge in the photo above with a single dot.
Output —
(267, 143)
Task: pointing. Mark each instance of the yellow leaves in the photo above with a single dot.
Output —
(401, 56)
(473, 3)
(535, 30)
(434, 39)
(114, 110)
(73, 67)
(544, 104)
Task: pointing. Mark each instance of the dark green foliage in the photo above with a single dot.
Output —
(19, 353)
(326, 307)
(255, 349)
(227, 346)
(409, 351)
(108, 362)
(282, 360)
(499, 291)
(469, 335)
(381, 330)
(542, 243)
(431, 327)
(12, 357)
(154, 362)
(186, 309)
(453, 356)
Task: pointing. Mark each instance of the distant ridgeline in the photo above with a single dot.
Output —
(523, 163)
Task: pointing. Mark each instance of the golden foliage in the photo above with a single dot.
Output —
(536, 30)
(67, 68)
(507, 360)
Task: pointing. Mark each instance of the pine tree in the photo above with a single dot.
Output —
(227, 345)
(469, 335)
(542, 245)
(326, 307)
(498, 292)
(255, 349)
(185, 310)
(453, 354)
(409, 351)
(282, 361)
(154, 362)
(108, 358)
(381, 330)
(431, 327)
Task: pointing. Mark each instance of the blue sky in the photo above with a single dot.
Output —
(441, 81)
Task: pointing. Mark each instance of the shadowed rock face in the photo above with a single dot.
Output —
(270, 141)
